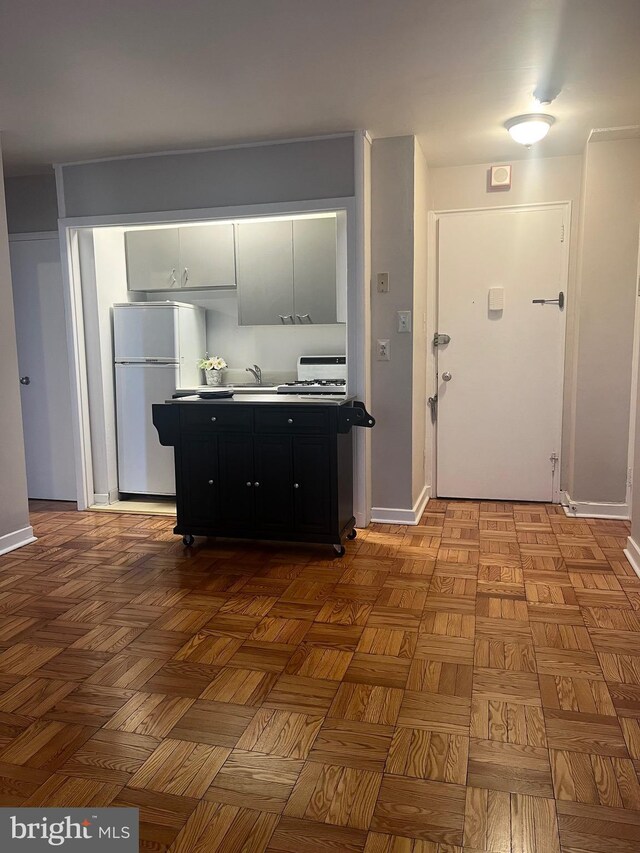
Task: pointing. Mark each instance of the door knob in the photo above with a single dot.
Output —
(446, 376)
(25, 380)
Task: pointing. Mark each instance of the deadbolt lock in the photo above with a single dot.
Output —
(441, 340)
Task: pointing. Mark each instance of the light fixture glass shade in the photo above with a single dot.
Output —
(528, 129)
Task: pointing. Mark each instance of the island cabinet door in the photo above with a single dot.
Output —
(235, 459)
(198, 481)
(273, 485)
(312, 492)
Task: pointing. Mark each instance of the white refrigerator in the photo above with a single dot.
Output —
(156, 349)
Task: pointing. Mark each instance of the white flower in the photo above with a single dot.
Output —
(214, 362)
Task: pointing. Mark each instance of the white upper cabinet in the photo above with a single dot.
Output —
(207, 255)
(287, 272)
(265, 273)
(181, 258)
(314, 270)
(153, 259)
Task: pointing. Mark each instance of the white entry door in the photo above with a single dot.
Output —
(38, 298)
(500, 377)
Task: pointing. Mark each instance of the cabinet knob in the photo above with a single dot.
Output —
(256, 485)
(289, 420)
(211, 482)
(296, 485)
(214, 419)
(249, 484)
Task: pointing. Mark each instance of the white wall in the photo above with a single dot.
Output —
(15, 529)
(607, 285)
(634, 543)
(104, 282)
(534, 181)
(274, 348)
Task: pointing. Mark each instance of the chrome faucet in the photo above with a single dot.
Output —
(257, 373)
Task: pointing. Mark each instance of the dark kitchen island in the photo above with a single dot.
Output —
(263, 466)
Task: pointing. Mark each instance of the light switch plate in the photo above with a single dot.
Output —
(404, 321)
(382, 280)
(496, 299)
(382, 351)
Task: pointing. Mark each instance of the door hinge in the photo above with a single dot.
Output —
(562, 233)
(554, 462)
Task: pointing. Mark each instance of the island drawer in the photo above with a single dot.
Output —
(291, 420)
(206, 416)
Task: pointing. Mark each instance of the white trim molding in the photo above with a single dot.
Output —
(23, 236)
(106, 498)
(593, 509)
(16, 539)
(632, 553)
(389, 515)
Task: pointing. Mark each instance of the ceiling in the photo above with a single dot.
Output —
(92, 78)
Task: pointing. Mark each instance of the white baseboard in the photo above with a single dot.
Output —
(632, 553)
(107, 498)
(390, 515)
(11, 541)
(592, 509)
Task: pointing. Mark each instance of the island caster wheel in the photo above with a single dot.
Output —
(353, 534)
(340, 550)
(188, 540)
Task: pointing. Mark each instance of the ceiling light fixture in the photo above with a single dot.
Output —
(528, 129)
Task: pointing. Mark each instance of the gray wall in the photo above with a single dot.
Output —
(398, 246)
(31, 203)
(534, 181)
(291, 171)
(14, 510)
(607, 291)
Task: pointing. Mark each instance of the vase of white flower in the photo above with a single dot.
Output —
(213, 367)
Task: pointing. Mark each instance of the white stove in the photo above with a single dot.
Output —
(318, 374)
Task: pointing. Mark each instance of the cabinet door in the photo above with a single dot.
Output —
(265, 273)
(207, 256)
(314, 270)
(198, 485)
(273, 483)
(312, 494)
(153, 259)
(235, 460)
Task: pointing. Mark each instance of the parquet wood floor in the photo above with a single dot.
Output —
(468, 685)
